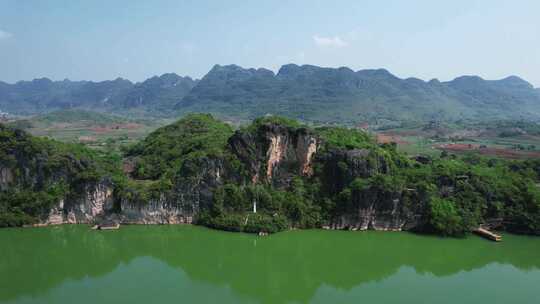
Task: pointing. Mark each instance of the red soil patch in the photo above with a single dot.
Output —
(505, 153)
(384, 138)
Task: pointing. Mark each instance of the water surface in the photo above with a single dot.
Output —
(188, 264)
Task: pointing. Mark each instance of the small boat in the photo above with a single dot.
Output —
(488, 234)
(111, 226)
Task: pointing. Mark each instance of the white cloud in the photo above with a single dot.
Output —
(329, 42)
(5, 35)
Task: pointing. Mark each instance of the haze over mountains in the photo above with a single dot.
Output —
(306, 92)
(155, 95)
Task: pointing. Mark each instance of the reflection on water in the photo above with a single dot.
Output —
(139, 264)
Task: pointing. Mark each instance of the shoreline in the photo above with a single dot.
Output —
(322, 228)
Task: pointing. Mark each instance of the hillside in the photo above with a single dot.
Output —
(272, 175)
(38, 174)
(154, 95)
(309, 93)
(347, 97)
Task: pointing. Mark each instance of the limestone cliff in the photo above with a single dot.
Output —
(6, 178)
(268, 153)
(192, 191)
(275, 153)
(272, 175)
(371, 208)
(377, 216)
(158, 211)
(94, 204)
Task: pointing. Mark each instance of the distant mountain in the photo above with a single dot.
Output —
(158, 93)
(334, 95)
(344, 96)
(43, 95)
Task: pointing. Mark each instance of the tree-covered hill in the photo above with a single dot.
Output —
(308, 93)
(272, 175)
(156, 95)
(310, 177)
(36, 174)
(344, 96)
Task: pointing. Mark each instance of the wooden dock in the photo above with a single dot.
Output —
(488, 234)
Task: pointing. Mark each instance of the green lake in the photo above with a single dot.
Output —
(189, 264)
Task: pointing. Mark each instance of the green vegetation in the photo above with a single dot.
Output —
(309, 93)
(199, 161)
(166, 149)
(39, 172)
(452, 195)
(277, 209)
(99, 131)
(344, 138)
(78, 116)
(505, 139)
(346, 97)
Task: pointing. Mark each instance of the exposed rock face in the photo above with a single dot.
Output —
(98, 206)
(341, 167)
(273, 154)
(306, 149)
(96, 202)
(195, 183)
(155, 212)
(6, 178)
(194, 189)
(372, 211)
(371, 216)
(277, 152)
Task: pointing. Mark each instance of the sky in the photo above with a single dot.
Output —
(103, 39)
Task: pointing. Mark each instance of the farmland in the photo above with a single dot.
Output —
(513, 140)
(95, 130)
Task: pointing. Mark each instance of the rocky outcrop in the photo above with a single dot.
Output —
(193, 190)
(275, 153)
(95, 203)
(371, 208)
(341, 167)
(271, 154)
(375, 217)
(6, 178)
(97, 206)
(306, 149)
(155, 212)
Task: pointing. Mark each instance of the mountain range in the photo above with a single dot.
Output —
(154, 95)
(307, 92)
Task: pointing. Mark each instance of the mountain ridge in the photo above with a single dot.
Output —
(43, 95)
(342, 95)
(306, 92)
(381, 70)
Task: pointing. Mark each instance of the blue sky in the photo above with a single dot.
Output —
(100, 39)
